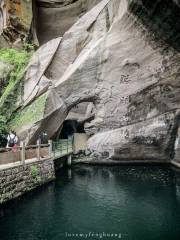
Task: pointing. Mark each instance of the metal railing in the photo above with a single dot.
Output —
(62, 147)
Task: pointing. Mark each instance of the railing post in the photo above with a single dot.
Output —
(38, 151)
(69, 160)
(22, 145)
(73, 145)
(50, 148)
(53, 148)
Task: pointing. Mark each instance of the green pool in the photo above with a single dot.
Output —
(88, 202)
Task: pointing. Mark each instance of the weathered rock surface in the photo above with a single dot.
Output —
(123, 56)
(15, 22)
(38, 21)
(55, 17)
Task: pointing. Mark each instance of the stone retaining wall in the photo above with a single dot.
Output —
(17, 180)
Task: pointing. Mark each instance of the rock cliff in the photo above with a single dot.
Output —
(15, 22)
(38, 21)
(55, 17)
(123, 57)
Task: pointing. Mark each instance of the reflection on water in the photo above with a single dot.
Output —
(136, 202)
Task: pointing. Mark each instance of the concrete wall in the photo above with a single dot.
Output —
(17, 180)
(80, 142)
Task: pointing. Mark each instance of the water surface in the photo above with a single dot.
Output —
(138, 203)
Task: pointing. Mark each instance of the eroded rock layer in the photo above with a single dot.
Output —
(123, 56)
(15, 22)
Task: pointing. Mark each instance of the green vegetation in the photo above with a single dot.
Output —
(3, 131)
(30, 114)
(12, 93)
(15, 57)
(34, 171)
(38, 179)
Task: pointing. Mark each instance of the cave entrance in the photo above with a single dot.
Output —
(78, 116)
(70, 127)
(74, 125)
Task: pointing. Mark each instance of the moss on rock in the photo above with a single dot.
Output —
(11, 98)
(30, 114)
(5, 70)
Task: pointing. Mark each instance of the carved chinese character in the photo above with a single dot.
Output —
(124, 79)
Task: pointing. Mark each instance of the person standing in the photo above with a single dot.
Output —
(42, 138)
(12, 140)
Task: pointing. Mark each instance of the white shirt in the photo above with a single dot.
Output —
(12, 136)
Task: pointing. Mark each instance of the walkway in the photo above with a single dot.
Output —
(27, 154)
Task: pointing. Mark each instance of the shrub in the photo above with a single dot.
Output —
(34, 171)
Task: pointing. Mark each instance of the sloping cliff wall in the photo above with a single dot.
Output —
(123, 56)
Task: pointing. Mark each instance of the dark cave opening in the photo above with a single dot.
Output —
(76, 120)
(70, 127)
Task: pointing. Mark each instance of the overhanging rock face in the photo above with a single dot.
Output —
(55, 17)
(123, 56)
